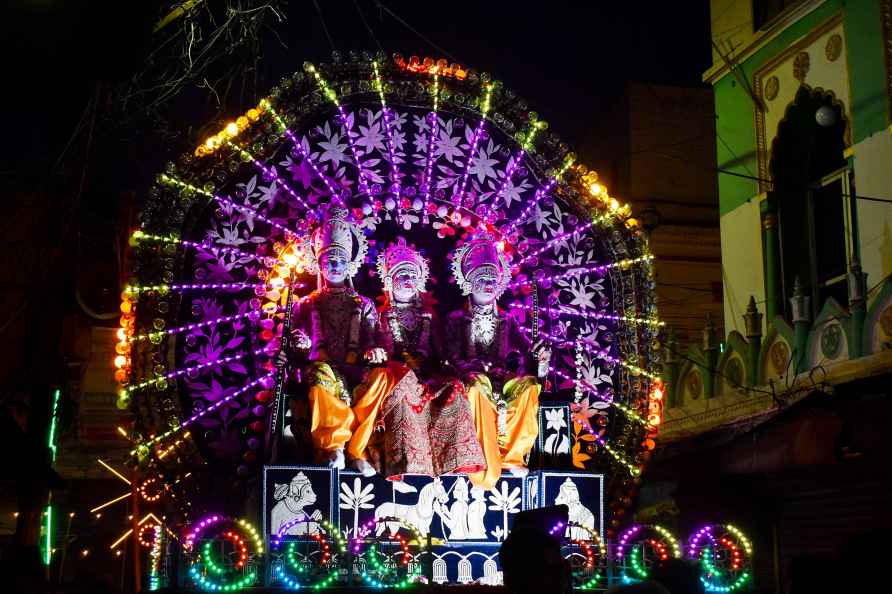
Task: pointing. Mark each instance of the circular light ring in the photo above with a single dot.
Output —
(142, 535)
(589, 576)
(240, 546)
(387, 577)
(293, 580)
(631, 546)
(725, 556)
(206, 572)
(151, 489)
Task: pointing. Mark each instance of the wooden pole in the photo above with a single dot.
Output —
(134, 536)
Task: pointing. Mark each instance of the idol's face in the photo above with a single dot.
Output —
(484, 288)
(333, 266)
(404, 285)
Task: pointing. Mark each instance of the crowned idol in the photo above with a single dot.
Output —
(424, 427)
(333, 331)
(495, 361)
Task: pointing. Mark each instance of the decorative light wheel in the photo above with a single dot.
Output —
(390, 550)
(587, 556)
(641, 546)
(223, 553)
(419, 148)
(725, 555)
(310, 560)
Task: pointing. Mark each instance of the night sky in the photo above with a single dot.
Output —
(567, 59)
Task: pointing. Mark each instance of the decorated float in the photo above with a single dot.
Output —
(228, 357)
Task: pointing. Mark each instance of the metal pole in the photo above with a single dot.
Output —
(273, 427)
(65, 548)
(134, 536)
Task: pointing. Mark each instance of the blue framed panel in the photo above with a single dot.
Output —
(554, 445)
(582, 492)
(293, 491)
(448, 508)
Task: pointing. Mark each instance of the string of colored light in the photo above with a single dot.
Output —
(144, 446)
(231, 130)
(631, 468)
(212, 585)
(139, 235)
(432, 142)
(594, 315)
(331, 530)
(628, 412)
(135, 290)
(270, 174)
(591, 581)
(172, 181)
(475, 140)
(509, 173)
(581, 270)
(367, 529)
(141, 535)
(559, 342)
(540, 193)
(194, 326)
(526, 140)
(208, 561)
(155, 557)
(388, 132)
(706, 554)
(332, 96)
(185, 370)
(526, 144)
(48, 511)
(299, 148)
(635, 554)
(562, 237)
(144, 491)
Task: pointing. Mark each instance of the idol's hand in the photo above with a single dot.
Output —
(542, 353)
(300, 340)
(376, 356)
(282, 359)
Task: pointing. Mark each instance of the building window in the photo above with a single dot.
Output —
(766, 11)
(813, 192)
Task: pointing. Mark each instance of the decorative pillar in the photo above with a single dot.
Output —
(752, 320)
(771, 245)
(711, 351)
(857, 307)
(671, 370)
(800, 304)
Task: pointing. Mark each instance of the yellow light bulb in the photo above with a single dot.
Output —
(290, 259)
(231, 129)
(596, 189)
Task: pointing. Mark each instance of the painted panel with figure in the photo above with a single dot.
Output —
(291, 492)
(581, 492)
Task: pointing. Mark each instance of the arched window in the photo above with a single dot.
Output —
(440, 576)
(491, 574)
(464, 572)
(812, 193)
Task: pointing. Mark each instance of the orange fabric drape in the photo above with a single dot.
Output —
(521, 425)
(370, 398)
(332, 418)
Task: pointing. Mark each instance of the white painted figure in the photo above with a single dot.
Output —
(292, 499)
(579, 514)
(432, 497)
(456, 517)
(476, 514)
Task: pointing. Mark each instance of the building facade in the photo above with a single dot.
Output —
(779, 416)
